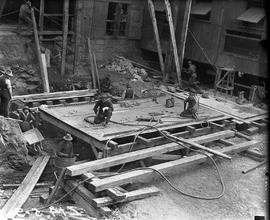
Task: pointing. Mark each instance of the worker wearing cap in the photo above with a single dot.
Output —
(5, 91)
(191, 68)
(66, 147)
(103, 110)
(191, 110)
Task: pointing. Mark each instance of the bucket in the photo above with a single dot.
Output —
(63, 162)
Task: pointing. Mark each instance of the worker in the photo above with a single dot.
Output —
(191, 68)
(128, 93)
(193, 105)
(192, 74)
(105, 84)
(103, 110)
(66, 149)
(5, 91)
(28, 119)
(25, 14)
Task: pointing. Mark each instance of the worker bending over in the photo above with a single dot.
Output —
(193, 105)
(103, 110)
(5, 91)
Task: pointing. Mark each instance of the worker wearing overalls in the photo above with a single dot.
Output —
(5, 91)
(191, 110)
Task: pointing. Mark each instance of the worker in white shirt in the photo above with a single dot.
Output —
(5, 91)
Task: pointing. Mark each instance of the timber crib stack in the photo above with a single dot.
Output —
(96, 190)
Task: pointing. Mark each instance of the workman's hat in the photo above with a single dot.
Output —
(67, 137)
(26, 108)
(7, 71)
(104, 95)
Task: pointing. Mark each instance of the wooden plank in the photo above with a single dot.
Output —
(78, 37)
(85, 197)
(96, 71)
(184, 30)
(130, 196)
(75, 170)
(56, 186)
(91, 62)
(190, 129)
(132, 176)
(166, 157)
(13, 205)
(38, 50)
(157, 38)
(65, 34)
(199, 146)
(116, 193)
(81, 201)
(44, 65)
(173, 40)
(226, 142)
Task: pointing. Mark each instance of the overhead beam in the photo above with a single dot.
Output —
(65, 34)
(132, 176)
(79, 169)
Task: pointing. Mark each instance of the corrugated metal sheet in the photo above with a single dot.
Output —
(252, 15)
(202, 8)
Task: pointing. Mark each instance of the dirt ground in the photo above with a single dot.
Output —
(245, 195)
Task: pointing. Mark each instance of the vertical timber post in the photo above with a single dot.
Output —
(172, 33)
(184, 32)
(78, 22)
(159, 50)
(41, 17)
(2, 6)
(45, 89)
(65, 35)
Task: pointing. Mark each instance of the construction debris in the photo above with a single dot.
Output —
(124, 66)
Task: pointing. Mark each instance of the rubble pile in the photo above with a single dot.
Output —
(26, 79)
(13, 144)
(124, 66)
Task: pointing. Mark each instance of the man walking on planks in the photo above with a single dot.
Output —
(193, 105)
(103, 110)
(5, 91)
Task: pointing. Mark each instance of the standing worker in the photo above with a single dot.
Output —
(103, 110)
(128, 93)
(5, 91)
(25, 14)
(193, 105)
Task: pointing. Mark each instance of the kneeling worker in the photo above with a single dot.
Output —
(193, 105)
(103, 110)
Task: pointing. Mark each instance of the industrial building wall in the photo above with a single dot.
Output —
(227, 41)
(122, 37)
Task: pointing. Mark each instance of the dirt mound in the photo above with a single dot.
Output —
(12, 144)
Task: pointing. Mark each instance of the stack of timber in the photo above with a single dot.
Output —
(96, 190)
(57, 98)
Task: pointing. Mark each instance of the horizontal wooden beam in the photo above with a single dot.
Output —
(53, 95)
(132, 176)
(130, 196)
(79, 169)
